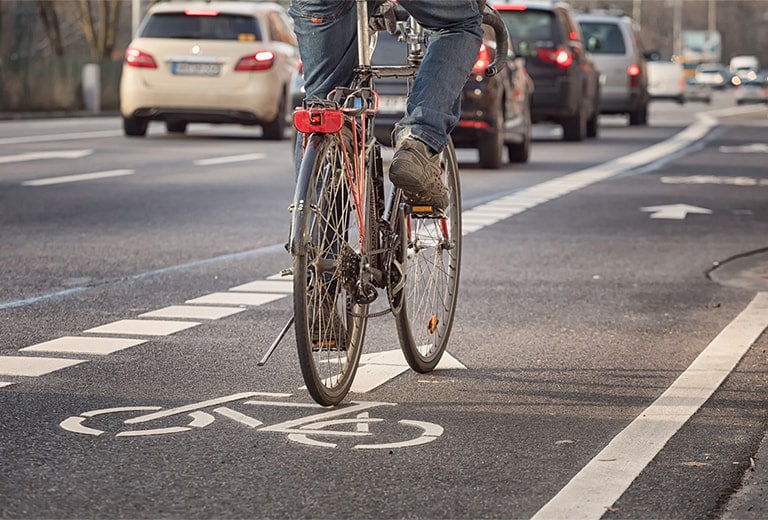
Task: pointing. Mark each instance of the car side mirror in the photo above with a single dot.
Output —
(652, 55)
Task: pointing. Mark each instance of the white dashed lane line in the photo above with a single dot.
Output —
(275, 287)
(80, 345)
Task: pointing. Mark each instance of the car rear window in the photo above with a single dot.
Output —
(218, 27)
(530, 29)
(608, 36)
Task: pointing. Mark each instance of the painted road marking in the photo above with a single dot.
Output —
(233, 298)
(60, 137)
(198, 312)
(714, 179)
(605, 478)
(34, 156)
(674, 211)
(34, 366)
(144, 327)
(4, 383)
(79, 345)
(78, 177)
(229, 159)
(267, 286)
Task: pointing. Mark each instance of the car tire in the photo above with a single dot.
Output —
(575, 127)
(520, 152)
(491, 146)
(176, 127)
(275, 130)
(135, 126)
(639, 117)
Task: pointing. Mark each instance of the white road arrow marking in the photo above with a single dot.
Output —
(34, 156)
(675, 211)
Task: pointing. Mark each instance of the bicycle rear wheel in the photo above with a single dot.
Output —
(330, 325)
(431, 254)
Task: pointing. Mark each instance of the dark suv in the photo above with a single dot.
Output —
(567, 82)
(495, 111)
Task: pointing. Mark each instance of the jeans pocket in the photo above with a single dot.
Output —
(319, 11)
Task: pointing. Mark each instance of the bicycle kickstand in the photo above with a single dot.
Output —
(277, 341)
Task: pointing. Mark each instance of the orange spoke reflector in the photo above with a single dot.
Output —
(422, 209)
(432, 324)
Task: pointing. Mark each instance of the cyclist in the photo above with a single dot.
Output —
(327, 35)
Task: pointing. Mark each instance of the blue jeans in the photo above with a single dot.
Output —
(327, 35)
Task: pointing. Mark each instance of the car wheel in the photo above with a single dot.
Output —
(490, 147)
(275, 130)
(639, 117)
(575, 128)
(135, 126)
(593, 127)
(520, 152)
(176, 127)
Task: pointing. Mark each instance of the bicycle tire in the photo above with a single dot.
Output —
(329, 323)
(431, 254)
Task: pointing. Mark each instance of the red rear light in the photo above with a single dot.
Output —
(513, 7)
(561, 57)
(324, 121)
(137, 58)
(633, 71)
(483, 60)
(262, 60)
(201, 12)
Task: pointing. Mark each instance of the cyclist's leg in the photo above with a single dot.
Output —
(327, 34)
(433, 106)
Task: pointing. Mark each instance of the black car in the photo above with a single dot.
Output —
(567, 81)
(495, 111)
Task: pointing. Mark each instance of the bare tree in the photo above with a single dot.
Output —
(47, 12)
(99, 21)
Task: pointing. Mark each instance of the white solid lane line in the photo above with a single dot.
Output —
(77, 177)
(605, 478)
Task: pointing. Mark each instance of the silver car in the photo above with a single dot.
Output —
(614, 42)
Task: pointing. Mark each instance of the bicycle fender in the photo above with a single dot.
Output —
(314, 142)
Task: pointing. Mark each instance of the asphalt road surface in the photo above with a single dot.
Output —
(608, 357)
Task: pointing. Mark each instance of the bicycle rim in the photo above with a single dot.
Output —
(330, 326)
(432, 259)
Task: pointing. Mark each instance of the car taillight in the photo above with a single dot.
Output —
(262, 60)
(201, 12)
(137, 58)
(561, 57)
(483, 59)
(633, 71)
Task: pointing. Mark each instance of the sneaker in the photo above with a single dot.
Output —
(327, 331)
(416, 170)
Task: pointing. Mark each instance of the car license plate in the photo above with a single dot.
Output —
(392, 103)
(196, 69)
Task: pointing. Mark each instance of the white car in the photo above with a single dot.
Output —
(666, 80)
(210, 62)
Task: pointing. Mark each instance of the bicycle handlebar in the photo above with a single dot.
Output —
(492, 18)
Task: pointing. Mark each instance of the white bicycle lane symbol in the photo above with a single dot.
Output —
(354, 419)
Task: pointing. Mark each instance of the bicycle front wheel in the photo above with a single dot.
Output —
(431, 254)
(330, 324)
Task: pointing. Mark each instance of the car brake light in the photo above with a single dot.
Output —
(262, 60)
(483, 60)
(514, 7)
(561, 57)
(137, 58)
(201, 12)
(633, 71)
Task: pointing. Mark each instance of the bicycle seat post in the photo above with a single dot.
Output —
(363, 34)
